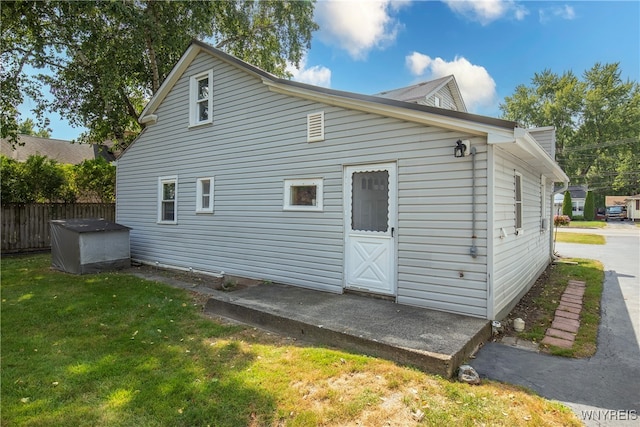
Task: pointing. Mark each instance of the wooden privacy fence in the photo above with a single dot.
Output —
(25, 227)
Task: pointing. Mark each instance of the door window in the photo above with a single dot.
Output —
(370, 201)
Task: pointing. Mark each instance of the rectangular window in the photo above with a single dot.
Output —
(518, 201)
(543, 202)
(201, 99)
(204, 195)
(436, 101)
(303, 194)
(168, 200)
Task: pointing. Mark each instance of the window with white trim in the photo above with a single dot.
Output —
(543, 203)
(201, 99)
(168, 200)
(204, 195)
(303, 194)
(518, 201)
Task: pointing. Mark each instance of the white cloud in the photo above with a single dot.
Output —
(358, 26)
(563, 12)
(487, 11)
(317, 75)
(476, 85)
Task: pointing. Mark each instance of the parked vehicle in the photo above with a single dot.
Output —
(616, 212)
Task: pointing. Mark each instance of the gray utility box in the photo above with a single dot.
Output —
(83, 246)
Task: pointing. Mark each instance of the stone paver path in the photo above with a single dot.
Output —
(566, 321)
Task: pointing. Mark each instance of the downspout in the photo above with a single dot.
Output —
(473, 251)
(552, 245)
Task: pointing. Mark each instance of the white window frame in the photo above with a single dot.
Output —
(304, 182)
(436, 101)
(162, 181)
(544, 212)
(199, 195)
(518, 202)
(194, 101)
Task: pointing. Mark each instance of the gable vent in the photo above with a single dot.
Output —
(315, 127)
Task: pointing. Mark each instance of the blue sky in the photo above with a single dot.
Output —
(490, 46)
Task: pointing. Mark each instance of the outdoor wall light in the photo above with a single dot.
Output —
(460, 149)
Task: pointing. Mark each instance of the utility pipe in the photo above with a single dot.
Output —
(473, 251)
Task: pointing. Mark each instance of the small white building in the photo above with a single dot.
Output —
(633, 207)
(257, 176)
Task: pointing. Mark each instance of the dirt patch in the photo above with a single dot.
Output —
(526, 309)
(187, 279)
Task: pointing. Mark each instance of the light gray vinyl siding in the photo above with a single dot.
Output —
(256, 141)
(518, 259)
(546, 137)
(446, 99)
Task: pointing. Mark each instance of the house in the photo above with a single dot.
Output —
(578, 196)
(442, 92)
(241, 172)
(633, 207)
(60, 150)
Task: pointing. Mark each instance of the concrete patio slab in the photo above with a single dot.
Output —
(433, 341)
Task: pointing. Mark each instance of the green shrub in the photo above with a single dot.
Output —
(567, 207)
(589, 207)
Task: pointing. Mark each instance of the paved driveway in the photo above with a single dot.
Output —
(603, 390)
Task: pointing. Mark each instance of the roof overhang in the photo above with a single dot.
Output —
(431, 116)
(500, 132)
(525, 147)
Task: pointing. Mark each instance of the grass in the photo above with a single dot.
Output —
(589, 271)
(587, 224)
(582, 238)
(116, 350)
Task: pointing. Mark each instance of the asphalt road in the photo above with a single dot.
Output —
(603, 390)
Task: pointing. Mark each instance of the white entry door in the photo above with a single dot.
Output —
(370, 220)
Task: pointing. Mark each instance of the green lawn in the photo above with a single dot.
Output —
(116, 350)
(587, 224)
(592, 273)
(582, 238)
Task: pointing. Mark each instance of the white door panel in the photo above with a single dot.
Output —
(370, 216)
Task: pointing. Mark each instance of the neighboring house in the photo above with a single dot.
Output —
(59, 150)
(442, 93)
(633, 207)
(578, 196)
(243, 172)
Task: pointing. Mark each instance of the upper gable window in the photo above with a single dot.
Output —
(201, 99)
(436, 101)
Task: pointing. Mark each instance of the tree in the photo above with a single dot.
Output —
(567, 205)
(589, 207)
(27, 127)
(96, 179)
(104, 60)
(44, 179)
(597, 121)
(14, 188)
